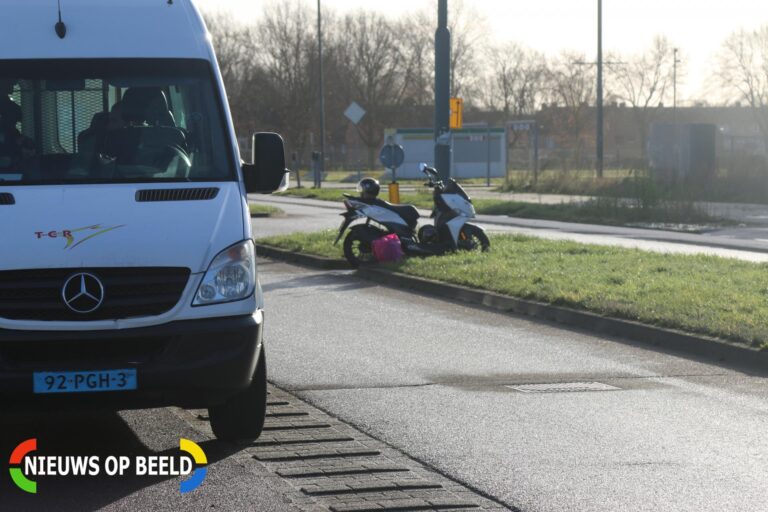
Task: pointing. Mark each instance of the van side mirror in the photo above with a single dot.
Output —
(267, 173)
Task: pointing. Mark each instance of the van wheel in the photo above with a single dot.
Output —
(241, 417)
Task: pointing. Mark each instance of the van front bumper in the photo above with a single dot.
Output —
(194, 363)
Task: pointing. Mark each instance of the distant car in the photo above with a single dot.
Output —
(127, 268)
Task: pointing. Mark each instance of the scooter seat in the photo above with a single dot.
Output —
(408, 212)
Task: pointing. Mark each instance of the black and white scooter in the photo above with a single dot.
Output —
(451, 230)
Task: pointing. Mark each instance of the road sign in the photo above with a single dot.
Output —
(355, 113)
(457, 113)
(522, 126)
(392, 156)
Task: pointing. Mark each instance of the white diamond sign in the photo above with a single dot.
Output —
(355, 113)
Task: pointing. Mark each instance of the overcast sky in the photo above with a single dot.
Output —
(696, 26)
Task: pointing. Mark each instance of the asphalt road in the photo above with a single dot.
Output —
(749, 244)
(435, 379)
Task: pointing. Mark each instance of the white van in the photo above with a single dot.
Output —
(127, 267)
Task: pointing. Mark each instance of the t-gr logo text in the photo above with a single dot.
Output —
(76, 237)
(53, 234)
(26, 466)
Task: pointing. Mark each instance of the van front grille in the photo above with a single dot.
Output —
(127, 293)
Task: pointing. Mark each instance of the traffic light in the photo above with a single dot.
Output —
(457, 113)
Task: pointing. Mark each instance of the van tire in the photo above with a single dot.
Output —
(241, 417)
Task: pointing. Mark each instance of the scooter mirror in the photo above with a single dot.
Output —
(422, 166)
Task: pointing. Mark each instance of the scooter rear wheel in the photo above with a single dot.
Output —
(358, 251)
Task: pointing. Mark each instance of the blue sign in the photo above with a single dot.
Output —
(392, 156)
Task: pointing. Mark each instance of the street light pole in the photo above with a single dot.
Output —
(443, 92)
(321, 163)
(675, 147)
(674, 86)
(600, 122)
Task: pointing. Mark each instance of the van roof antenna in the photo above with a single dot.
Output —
(61, 28)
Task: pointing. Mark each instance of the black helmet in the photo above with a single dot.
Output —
(369, 187)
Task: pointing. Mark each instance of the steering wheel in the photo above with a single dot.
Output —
(168, 154)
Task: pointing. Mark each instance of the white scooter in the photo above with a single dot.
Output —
(451, 231)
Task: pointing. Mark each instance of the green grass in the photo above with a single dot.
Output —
(319, 243)
(262, 209)
(609, 211)
(706, 295)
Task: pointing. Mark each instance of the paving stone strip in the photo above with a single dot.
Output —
(331, 466)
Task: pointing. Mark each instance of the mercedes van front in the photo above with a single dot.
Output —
(127, 268)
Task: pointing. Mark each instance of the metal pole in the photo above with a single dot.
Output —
(488, 156)
(296, 168)
(674, 114)
(443, 92)
(674, 85)
(536, 153)
(600, 88)
(321, 165)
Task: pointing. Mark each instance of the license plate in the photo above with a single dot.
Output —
(84, 382)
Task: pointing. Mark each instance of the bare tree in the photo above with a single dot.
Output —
(417, 48)
(743, 72)
(517, 81)
(283, 91)
(571, 91)
(373, 68)
(235, 45)
(469, 40)
(644, 82)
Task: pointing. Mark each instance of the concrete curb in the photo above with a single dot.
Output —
(301, 259)
(694, 344)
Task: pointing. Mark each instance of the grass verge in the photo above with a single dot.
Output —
(264, 210)
(699, 294)
(608, 211)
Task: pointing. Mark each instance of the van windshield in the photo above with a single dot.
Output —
(110, 121)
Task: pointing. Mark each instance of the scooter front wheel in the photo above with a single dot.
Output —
(358, 250)
(473, 238)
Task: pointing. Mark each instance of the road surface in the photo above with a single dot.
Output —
(437, 380)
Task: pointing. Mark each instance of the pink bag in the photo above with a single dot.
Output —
(387, 248)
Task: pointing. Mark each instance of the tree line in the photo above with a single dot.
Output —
(270, 69)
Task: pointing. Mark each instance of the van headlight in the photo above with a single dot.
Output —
(231, 276)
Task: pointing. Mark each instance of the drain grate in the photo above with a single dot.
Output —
(305, 426)
(341, 453)
(563, 387)
(353, 488)
(309, 440)
(286, 414)
(332, 471)
(332, 466)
